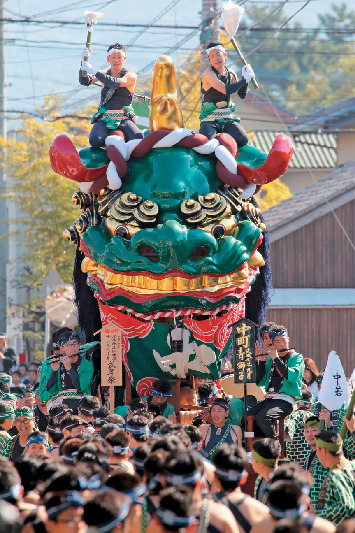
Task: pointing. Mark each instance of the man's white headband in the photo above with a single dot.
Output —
(115, 50)
(218, 47)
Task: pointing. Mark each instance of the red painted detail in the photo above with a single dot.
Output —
(234, 180)
(192, 141)
(275, 165)
(145, 386)
(148, 142)
(65, 160)
(118, 159)
(228, 142)
(100, 183)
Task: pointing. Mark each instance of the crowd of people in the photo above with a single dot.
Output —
(74, 465)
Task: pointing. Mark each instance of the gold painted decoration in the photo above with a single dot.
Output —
(165, 112)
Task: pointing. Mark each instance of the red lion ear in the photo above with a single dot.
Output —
(65, 160)
(275, 165)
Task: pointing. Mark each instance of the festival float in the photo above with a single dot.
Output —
(172, 247)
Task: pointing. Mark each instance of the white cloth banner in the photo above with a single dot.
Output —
(334, 386)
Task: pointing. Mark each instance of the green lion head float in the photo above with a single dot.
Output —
(171, 244)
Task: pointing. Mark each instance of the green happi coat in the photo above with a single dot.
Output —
(336, 500)
(297, 450)
(319, 474)
(86, 370)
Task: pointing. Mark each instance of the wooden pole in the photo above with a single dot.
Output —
(112, 399)
(241, 57)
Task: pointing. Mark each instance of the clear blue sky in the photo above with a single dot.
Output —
(45, 57)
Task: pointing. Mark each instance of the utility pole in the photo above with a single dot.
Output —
(3, 203)
(210, 28)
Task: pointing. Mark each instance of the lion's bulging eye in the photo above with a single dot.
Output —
(218, 231)
(122, 231)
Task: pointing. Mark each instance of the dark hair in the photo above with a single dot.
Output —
(285, 495)
(123, 481)
(117, 46)
(15, 372)
(306, 395)
(137, 403)
(185, 462)
(48, 468)
(331, 436)
(157, 423)
(193, 433)
(139, 455)
(115, 419)
(106, 429)
(279, 329)
(70, 420)
(154, 467)
(179, 501)
(118, 438)
(27, 466)
(9, 477)
(72, 444)
(205, 388)
(92, 452)
(88, 404)
(138, 421)
(51, 430)
(102, 507)
(230, 457)
(267, 448)
(265, 328)
(58, 411)
(312, 367)
(170, 443)
(100, 415)
(211, 45)
(222, 402)
(37, 433)
(163, 385)
(58, 333)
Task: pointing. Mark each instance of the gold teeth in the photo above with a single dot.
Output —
(147, 285)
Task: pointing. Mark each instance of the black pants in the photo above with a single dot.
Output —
(267, 411)
(99, 132)
(210, 128)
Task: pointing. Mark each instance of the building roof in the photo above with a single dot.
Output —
(312, 202)
(335, 117)
(269, 107)
(311, 150)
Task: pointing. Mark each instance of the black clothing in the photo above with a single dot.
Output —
(210, 128)
(267, 411)
(68, 379)
(17, 450)
(121, 97)
(278, 372)
(214, 96)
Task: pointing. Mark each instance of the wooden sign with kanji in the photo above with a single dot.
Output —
(111, 356)
(244, 351)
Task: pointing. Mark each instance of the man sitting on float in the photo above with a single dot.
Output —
(218, 84)
(67, 377)
(115, 110)
(280, 372)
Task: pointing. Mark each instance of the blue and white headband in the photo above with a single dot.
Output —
(119, 450)
(74, 499)
(138, 464)
(229, 475)
(38, 439)
(183, 479)
(212, 395)
(163, 394)
(169, 518)
(291, 514)
(280, 333)
(140, 430)
(66, 338)
(88, 484)
(136, 494)
(108, 527)
(12, 493)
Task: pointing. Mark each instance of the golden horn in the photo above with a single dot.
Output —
(165, 112)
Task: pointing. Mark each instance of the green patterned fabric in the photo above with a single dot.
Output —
(4, 438)
(339, 503)
(297, 450)
(319, 474)
(349, 447)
